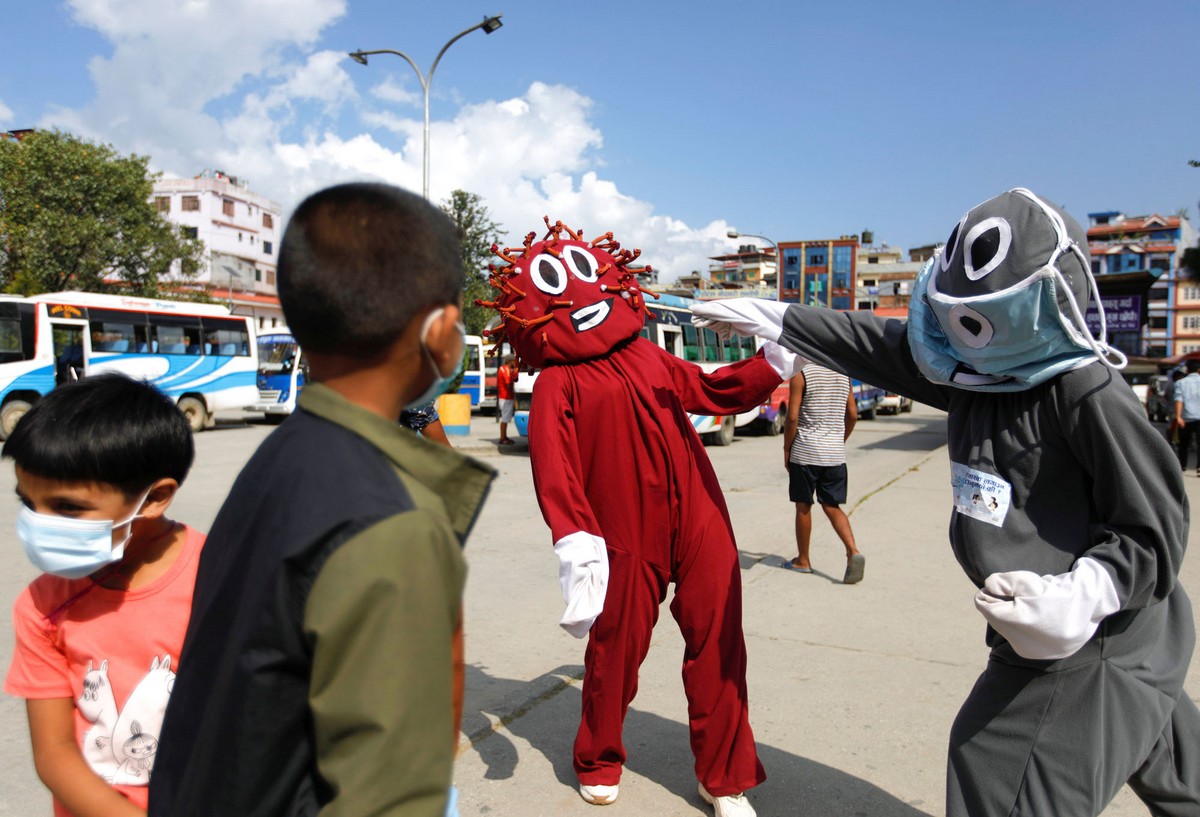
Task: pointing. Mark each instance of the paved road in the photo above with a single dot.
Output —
(852, 688)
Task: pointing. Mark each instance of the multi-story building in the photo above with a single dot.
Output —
(749, 272)
(820, 272)
(240, 230)
(885, 280)
(1152, 309)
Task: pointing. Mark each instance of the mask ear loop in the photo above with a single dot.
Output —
(1100, 348)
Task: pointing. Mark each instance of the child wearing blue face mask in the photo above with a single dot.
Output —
(321, 668)
(99, 634)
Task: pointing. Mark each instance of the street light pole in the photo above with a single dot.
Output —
(488, 25)
(778, 261)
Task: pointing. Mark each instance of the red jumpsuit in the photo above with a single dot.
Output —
(615, 455)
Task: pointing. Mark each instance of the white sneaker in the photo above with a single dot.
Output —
(599, 795)
(731, 805)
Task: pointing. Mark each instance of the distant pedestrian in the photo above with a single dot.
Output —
(1187, 413)
(505, 378)
(821, 415)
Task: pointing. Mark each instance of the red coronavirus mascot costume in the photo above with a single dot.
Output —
(631, 499)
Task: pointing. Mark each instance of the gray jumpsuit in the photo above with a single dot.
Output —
(1081, 472)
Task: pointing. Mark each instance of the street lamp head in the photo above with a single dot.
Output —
(733, 234)
(490, 24)
(358, 57)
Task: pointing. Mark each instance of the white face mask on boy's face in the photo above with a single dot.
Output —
(440, 381)
(73, 548)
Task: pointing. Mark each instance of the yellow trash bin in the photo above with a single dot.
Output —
(455, 413)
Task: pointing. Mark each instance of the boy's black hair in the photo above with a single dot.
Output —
(107, 429)
(359, 261)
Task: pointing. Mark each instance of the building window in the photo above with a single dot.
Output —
(252, 240)
(268, 221)
(266, 248)
(162, 204)
(191, 204)
(190, 232)
(1158, 322)
(271, 277)
(257, 275)
(1191, 293)
(261, 321)
(239, 236)
(227, 208)
(1191, 321)
(816, 258)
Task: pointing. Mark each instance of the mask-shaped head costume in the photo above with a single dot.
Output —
(563, 299)
(1001, 307)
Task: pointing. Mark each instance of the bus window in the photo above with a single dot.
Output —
(733, 349)
(748, 348)
(712, 346)
(691, 343)
(176, 335)
(112, 337)
(10, 341)
(170, 340)
(226, 337)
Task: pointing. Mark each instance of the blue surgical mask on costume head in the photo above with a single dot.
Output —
(72, 548)
(440, 382)
(1009, 339)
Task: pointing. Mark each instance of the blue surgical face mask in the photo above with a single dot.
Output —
(440, 382)
(72, 548)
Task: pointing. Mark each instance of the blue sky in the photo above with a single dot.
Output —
(667, 122)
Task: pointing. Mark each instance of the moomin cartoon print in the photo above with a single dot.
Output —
(121, 744)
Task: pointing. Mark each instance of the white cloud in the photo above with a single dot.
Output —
(392, 91)
(6, 114)
(241, 85)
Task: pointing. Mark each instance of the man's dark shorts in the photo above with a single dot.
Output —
(828, 481)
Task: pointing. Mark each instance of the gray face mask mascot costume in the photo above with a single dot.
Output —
(1069, 514)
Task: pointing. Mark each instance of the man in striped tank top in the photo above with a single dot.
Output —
(821, 415)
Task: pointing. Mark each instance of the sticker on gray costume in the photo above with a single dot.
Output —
(979, 495)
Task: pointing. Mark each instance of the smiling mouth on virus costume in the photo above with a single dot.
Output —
(591, 316)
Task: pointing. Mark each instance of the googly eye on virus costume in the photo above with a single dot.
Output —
(1069, 514)
(630, 497)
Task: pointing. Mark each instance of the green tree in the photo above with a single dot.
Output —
(73, 213)
(479, 232)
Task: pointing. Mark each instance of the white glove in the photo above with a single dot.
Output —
(1048, 617)
(786, 363)
(741, 316)
(583, 572)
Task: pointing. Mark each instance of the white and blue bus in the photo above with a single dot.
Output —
(198, 354)
(282, 373)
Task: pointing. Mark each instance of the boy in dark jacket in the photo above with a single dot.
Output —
(322, 671)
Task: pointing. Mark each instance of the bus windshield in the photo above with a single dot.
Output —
(277, 354)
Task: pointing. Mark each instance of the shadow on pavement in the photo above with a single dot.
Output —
(658, 750)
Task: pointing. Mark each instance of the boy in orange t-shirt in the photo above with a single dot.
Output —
(98, 635)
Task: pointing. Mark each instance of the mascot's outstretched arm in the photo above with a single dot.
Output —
(733, 388)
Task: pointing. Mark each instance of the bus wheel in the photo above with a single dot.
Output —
(10, 415)
(776, 426)
(723, 435)
(196, 413)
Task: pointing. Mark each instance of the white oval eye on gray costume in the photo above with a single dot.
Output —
(952, 243)
(548, 274)
(582, 263)
(970, 327)
(992, 253)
